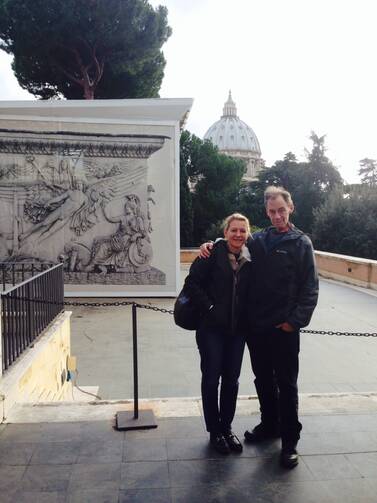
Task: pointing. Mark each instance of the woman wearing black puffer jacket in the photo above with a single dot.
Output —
(218, 287)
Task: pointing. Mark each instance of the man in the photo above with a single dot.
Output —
(282, 296)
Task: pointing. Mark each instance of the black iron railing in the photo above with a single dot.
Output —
(13, 273)
(27, 309)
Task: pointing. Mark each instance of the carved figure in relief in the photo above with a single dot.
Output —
(75, 256)
(61, 193)
(71, 193)
(76, 206)
(59, 210)
(116, 250)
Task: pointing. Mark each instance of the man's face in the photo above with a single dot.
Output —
(278, 212)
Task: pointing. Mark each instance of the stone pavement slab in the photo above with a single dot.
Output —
(89, 461)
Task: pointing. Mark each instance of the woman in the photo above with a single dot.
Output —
(218, 286)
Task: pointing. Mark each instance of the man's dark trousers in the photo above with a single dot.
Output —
(275, 363)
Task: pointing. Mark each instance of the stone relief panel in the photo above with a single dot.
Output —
(81, 199)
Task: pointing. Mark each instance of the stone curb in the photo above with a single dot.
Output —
(310, 404)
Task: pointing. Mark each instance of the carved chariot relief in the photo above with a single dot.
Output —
(82, 199)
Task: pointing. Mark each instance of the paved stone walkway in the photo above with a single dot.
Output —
(169, 360)
(90, 462)
(71, 453)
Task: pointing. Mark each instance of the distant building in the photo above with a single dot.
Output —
(235, 138)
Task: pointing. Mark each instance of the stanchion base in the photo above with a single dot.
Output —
(125, 420)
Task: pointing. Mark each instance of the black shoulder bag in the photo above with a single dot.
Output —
(187, 315)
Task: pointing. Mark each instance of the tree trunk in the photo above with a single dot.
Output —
(88, 92)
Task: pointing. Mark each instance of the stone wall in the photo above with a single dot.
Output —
(94, 185)
(40, 373)
(352, 270)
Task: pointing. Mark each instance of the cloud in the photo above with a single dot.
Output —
(9, 87)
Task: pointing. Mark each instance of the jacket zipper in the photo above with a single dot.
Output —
(235, 281)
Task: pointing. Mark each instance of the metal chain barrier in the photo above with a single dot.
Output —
(155, 308)
(98, 304)
(347, 334)
(118, 304)
(170, 311)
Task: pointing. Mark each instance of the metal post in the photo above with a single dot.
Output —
(134, 344)
(1, 338)
(30, 312)
(138, 420)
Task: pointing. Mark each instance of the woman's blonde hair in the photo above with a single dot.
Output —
(236, 216)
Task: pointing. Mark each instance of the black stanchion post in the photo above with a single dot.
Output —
(134, 348)
(138, 420)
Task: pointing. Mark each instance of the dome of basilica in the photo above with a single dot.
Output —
(231, 133)
(235, 138)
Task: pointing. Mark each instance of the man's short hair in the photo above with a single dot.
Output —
(272, 192)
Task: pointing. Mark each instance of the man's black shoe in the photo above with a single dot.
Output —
(219, 443)
(289, 457)
(261, 433)
(233, 441)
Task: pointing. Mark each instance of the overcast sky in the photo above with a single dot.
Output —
(293, 66)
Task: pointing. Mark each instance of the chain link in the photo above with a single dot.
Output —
(170, 311)
(118, 304)
(346, 334)
(98, 304)
(155, 308)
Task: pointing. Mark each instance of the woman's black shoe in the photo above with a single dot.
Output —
(233, 442)
(219, 443)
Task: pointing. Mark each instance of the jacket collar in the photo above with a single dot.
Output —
(245, 254)
(225, 263)
(291, 235)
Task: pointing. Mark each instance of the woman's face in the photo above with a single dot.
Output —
(236, 234)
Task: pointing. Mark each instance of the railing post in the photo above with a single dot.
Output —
(29, 314)
(138, 420)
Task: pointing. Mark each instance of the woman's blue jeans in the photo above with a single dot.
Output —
(220, 359)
